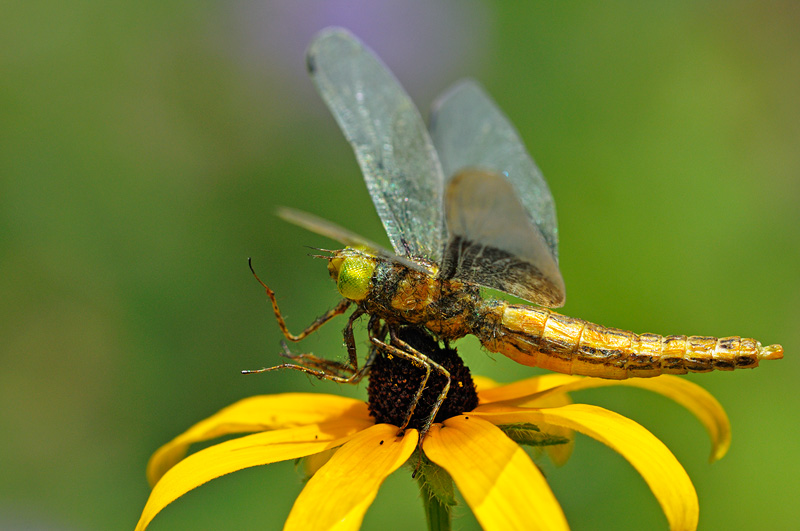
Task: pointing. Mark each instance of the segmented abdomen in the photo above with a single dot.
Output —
(541, 338)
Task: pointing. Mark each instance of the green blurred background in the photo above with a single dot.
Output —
(145, 145)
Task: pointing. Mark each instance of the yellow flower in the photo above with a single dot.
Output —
(479, 449)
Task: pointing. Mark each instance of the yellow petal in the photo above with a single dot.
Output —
(339, 494)
(651, 458)
(558, 453)
(257, 413)
(482, 383)
(244, 452)
(491, 392)
(312, 463)
(697, 400)
(498, 480)
(524, 388)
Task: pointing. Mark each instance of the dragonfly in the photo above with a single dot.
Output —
(465, 207)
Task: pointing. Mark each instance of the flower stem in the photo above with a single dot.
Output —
(438, 494)
(437, 512)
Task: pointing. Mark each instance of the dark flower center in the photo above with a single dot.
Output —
(394, 382)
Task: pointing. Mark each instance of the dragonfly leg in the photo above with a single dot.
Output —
(406, 351)
(416, 360)
(319, 321)
(319, 367)
(322, 374)
(442, 395)
(376, 328)
(349, 338)
(315, 362)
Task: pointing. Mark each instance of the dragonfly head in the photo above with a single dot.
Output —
(352, 270)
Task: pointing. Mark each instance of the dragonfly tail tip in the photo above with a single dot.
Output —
(771, 352)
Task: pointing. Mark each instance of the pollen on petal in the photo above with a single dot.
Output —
(482, 383)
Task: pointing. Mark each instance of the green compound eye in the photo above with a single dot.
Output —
(354, 277)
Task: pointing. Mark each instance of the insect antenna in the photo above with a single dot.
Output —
(320, 255)
(319, 249)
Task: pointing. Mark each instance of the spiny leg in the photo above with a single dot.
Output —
(349, 338)
(319, 373)
(322, 368)
(313, 362)
(419, 359)
(375, 328)
(319, 321)
(442, 395)
(319, 367)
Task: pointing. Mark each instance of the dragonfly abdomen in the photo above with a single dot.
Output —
(541, 338)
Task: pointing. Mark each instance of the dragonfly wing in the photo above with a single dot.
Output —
(389, 138)
(493, 243)
(469, 130)
(340, 234)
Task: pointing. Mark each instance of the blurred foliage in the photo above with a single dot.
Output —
(145, 145)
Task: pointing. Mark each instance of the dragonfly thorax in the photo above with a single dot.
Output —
(400, 295)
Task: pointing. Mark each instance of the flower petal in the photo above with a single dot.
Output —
(257, 413)
(312, 463)
(697, 400)
(558, 453)
(244, 452)
(651, 458)
(524, 388)
(498, 480)
(339, 494)
(482, 383)
(490, 391)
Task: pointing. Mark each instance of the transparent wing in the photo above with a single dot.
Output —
(493, 243)
(390, 140)
(469, 130)
(340, 234)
